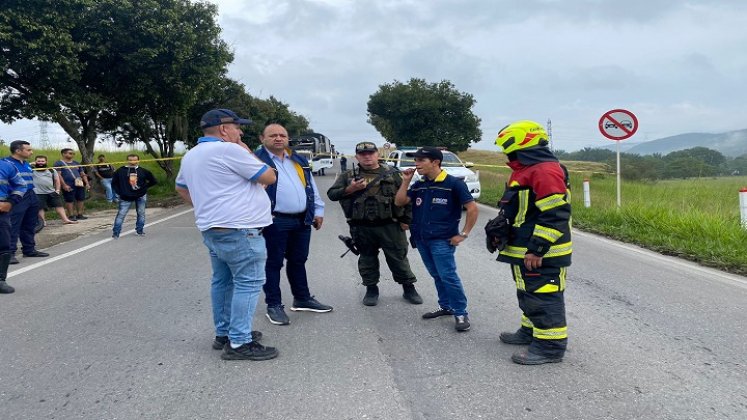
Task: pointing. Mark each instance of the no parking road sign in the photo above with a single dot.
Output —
(618, 124)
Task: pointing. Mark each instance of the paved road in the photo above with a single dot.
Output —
(122, 329)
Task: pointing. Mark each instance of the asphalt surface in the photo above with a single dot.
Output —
(122, 329)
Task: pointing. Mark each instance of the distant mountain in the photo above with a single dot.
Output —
(730, 144)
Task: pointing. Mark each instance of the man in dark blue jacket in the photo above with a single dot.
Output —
(12, 189)
(25, 213)
(296, 206)
(437, 200)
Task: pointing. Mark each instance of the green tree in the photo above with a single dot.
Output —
(94, 66)
(424, 114)
(233, 95)
(176, 56)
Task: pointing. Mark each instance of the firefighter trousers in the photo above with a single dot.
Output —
(540, 294)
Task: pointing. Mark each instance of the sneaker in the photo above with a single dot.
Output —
(372, 296)
(411, 295)
(80, 217)
(141, 234)
(515, 338)
(5, 288)
(115, 236)
(221, 340)
(249, 351)
(462, 323)
(73, 218)
(39, 225)
(527, 358)
(277, 316)
(310, 305)
(13, 259)
(438, 313)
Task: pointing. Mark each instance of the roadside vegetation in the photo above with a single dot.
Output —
(696, 218)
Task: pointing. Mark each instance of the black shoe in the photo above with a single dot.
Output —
(13, 259)
(462, 323)
(527, 358)
(372, 296)
(220, 341)
(81, 217)
(5, 289)
(36, 254)
(411, 295)
(73, 218)
(277, 316)
(249, 351)
(438, 313)
(310, 305)
(515, 338)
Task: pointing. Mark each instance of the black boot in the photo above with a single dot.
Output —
(372, 296)
(4, 262)
(411, 295)
(520, 337)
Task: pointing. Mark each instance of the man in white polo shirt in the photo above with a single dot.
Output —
(224, 182)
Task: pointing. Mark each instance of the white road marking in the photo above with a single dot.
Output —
(87, 247)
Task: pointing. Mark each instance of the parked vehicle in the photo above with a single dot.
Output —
(451, 164)
(317, 149)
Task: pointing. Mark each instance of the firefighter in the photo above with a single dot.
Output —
(537, 242)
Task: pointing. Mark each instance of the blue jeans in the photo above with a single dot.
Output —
(124, 207)
(238, 259)
(287, 239)
(438, 258)
(110, 195)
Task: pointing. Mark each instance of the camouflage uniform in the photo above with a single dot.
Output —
(375, 222)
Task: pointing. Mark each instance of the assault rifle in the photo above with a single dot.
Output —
(348, 241)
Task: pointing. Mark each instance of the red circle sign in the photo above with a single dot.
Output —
(618, 124)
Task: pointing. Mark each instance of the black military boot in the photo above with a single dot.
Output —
(411, 295)
(520, 337)
(4, 262)
(372, 296)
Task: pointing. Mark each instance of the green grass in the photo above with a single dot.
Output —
(697, 218)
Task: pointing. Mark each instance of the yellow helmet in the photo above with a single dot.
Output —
(521, 135)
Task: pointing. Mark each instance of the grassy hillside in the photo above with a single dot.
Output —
(697, 219)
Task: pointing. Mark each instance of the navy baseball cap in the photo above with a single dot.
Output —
(222, 116)
(430, 152)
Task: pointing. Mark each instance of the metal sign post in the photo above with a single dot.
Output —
(618, 125)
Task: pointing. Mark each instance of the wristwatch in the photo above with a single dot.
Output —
(463, 234)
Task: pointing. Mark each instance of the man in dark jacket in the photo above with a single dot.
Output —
(131, 184)
(537, 241)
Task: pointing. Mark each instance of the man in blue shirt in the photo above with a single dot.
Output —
(12, 189)
(437, 200)
(74, 184)
(296, 206)
(25, 214)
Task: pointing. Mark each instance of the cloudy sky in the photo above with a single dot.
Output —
(680, 66)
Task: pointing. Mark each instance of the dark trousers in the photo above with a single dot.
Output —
(23, 220)
(540, 295)
(286, 239)
(391, 239)
(5, 233)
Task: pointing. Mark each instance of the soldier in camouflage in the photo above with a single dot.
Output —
(367, 199)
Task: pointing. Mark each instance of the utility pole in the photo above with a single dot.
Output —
(549, 133)
(44, 136)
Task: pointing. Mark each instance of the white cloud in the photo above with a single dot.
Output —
(679, 65)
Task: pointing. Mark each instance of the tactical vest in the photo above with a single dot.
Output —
(375, 205)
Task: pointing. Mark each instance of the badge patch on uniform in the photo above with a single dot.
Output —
(418, 201)
(438, 200)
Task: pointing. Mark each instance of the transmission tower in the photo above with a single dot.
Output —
(44, 136)
(549, 133)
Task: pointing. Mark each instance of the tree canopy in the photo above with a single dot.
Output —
(424, 114)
